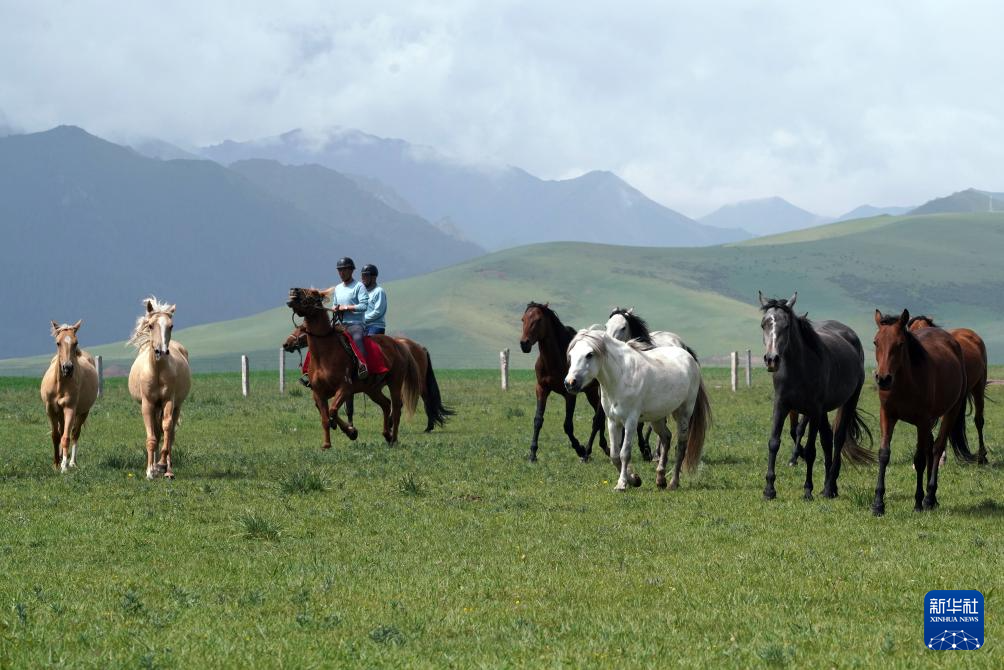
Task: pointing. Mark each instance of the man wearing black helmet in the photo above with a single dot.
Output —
(377, 311)
(351, 301)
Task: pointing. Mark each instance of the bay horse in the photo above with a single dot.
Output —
(921, 377)
(816, 368)
(541, 326)
(159, 380)
(974, 350)
(69, 389)
(436, 413)
(641, 383)
(332, 367)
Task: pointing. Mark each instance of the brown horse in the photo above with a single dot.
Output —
(974, 350)
(921, 376)
(541, 326)
(331, 369)
(69, 388)
(436, 412)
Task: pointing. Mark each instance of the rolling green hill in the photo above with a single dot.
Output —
(945, 265)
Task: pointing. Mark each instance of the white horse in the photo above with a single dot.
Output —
(625, 325)
(159, 380)
(637, 384)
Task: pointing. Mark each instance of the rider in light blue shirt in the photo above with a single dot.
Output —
(377, 311)
(351, 300)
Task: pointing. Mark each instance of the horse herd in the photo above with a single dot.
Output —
(633, 376)
(630, 375)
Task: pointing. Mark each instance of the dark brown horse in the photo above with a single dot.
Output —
(541, 326)
(974, 350)
(921, 376)
(436, 413)
(331, 369)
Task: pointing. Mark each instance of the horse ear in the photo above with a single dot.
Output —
(630, 310)
(904, 318)
(75, 327)
(763, 301)
(55, 328)
(170, 310)
(149, 306)
(792, 299)
(878, 318)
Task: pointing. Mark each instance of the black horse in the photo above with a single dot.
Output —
(817, 368)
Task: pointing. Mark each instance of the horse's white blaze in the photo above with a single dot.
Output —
(66, 340)
(770, 334)
(165, 338)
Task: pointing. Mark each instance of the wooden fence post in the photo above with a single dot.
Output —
(749, 368)
(735, 369)
(101, 376)
(244, 374)
(282, 371)
(504, 364)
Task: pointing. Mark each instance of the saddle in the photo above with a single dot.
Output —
(377, 363)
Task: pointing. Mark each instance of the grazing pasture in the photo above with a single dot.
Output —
(450, 550)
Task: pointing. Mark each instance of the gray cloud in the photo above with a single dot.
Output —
(697, 104)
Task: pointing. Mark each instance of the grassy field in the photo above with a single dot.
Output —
(947, 265)
(450, 550)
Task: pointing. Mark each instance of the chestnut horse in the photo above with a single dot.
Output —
(921, 376)
(69, 388)
(159, 381)
(974, 350)
(541, 326)
(436, 412)
(331, 369)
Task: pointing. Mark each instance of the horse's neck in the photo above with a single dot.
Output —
(797, 356)
(322, 340)
(551, 352)
(615, 367)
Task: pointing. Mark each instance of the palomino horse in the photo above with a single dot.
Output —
(640, 383)
(69, 388)
(436, 413)
(974, 350)
(817, 368)
(159, 381)
(331, 369)
(921, 376)
(625, 325)
(541, 326)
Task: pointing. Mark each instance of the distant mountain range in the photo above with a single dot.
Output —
(970, 200)
(868, 211)
(91, 227)
(765, 216)
(496, 207)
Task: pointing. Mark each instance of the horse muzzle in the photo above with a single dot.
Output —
(772, 361)
(67, 369)
(884, 382)
(572, 385)
(525, 346)
(157, 353)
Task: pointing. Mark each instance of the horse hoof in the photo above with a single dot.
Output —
(792, 463)
(878, 509)
(918, 508)
(584, 458)
(807, 495)
(829, 494)
(326, 445)
(930, 504)
(635, 481)
(769, 494)
(660, 482)
(168, 475)
(621, 488)
(352, 433)
(532, 458)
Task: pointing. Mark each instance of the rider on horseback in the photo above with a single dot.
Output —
(377, 311)
(351, 302)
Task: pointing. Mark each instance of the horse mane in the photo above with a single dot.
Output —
(564, 333)
(140, 333)
(594, 338)
(802, 323)
(637, 326)
(922, 317)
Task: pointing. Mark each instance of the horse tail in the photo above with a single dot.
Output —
(957, 434)
(856, 426)
(700, 420)
(412, 386)
(435, 411)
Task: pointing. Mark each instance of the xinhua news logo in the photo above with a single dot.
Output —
(953, 620)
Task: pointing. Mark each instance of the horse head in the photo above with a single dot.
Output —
(160, 323)
(778, 318)
(921, 321)
(584, 353)
(296, 340)
(891, 346)
(534, 325)
(307, 301)
(66, 346)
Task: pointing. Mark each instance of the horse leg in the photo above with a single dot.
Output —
(570, 428)
(538, 420)
(167, 422)
(978, 397)
(149, 422)
(682, 435)
(322, 407)
(826, 440)
(64, 438)
(340, 394)
(56, 433)
(809, 453)
(661, 451)
(627, 475)
(381, 401)
(599, 423)
(350, 409)
(643, 445)
(888, 424)
(922, 459)
(615, 431)
(773, 444)
(795, 429)
(76, 437)
(396, 403)
(947, 422)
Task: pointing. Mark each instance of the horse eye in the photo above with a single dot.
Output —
(589, 355)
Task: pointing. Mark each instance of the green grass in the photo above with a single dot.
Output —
(451, 550)
(947, 265)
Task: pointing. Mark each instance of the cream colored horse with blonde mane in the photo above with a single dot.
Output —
(69, 388)
(159, 380)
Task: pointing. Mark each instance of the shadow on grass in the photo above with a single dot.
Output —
(984, 508)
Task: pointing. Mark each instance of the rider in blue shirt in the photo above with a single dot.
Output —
(351, 301)
(377, 311)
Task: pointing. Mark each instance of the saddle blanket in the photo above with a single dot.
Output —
(376, 364)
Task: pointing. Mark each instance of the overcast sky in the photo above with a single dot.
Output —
(827, 104)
